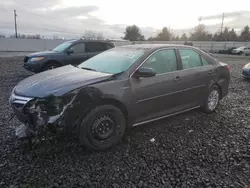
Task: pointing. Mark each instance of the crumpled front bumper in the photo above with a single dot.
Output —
(39, 114)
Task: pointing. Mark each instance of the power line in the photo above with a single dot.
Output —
(15, 15)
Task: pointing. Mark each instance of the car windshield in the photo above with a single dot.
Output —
(62, 47)
(112, 61)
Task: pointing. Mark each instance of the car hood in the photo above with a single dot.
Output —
(44, 53)
(58, 81)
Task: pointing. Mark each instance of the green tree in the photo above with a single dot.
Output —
(199, 34)
(232, 36)
(177, 38)
(133, 33)
(225, 34)
(164, 35)
(151, 38)
(184, 37)
(245, 34)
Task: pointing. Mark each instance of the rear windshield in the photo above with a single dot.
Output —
(113, 61)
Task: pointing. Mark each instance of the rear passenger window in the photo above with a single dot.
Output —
(94, 47)
(78, 48)
(163, 61)
(190, 59)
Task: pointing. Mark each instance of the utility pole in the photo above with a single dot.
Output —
(15, 15)
(222, 22)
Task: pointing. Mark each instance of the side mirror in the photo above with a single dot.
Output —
(70, 51)
(144, 72)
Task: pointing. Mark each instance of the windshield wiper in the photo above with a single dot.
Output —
(87, 68)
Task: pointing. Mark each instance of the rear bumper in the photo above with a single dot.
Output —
(224, 87)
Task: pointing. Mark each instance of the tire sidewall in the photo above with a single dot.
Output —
(49, 65)
(85, 136)
(206, 108)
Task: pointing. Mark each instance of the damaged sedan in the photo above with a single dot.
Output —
(117, 89)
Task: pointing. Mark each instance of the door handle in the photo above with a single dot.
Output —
(210, 72)
(177, 78)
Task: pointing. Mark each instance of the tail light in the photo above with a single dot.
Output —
(228, 67)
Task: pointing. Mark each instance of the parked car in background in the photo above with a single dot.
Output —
(246, 51)
(239, 51)
(71, 52)
(227, 51)
(188, 43)
(246, 71)
(230, 50)
(123, 87)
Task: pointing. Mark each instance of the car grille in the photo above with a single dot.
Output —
(26, 58)
(18, 101)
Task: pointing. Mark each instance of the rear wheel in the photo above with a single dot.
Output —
(102, 128)
(212, 100)
(51, 66)
(240, 53)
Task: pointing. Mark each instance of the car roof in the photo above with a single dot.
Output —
(89, 40)
(154, 46)
(85, 40)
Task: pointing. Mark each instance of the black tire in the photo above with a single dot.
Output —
(240, 53)
(209, 108)
(102, 128)
(50, 65)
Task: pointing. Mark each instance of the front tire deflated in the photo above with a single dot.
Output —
(102, 128)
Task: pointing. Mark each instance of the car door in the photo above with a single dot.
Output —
(196, 76)
(247, 51)
(156, 96)
(94, 48)
(76, 54)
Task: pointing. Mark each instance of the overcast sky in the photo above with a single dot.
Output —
(73, 17)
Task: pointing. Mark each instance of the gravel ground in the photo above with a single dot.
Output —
(188, 150)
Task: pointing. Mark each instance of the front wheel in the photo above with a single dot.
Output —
(212, 100)
(102, 128)
(50, 66)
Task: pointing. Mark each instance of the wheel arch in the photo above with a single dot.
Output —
(115, 103)
(218, 84)
(51, 61)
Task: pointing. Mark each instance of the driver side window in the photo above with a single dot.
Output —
(163, 61)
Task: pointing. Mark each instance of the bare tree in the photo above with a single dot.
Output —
(92, 35)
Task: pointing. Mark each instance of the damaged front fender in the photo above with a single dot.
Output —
(57, 111)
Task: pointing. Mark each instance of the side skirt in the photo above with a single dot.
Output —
(162, 117)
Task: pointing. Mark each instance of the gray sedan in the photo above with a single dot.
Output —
(120, 88)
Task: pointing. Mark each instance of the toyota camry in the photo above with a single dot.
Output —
(117, 89)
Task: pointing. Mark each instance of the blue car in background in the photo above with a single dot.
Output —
(246, 71)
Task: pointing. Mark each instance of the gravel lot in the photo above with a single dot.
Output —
(190, 150)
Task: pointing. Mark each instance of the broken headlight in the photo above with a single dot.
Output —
(50, 105)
